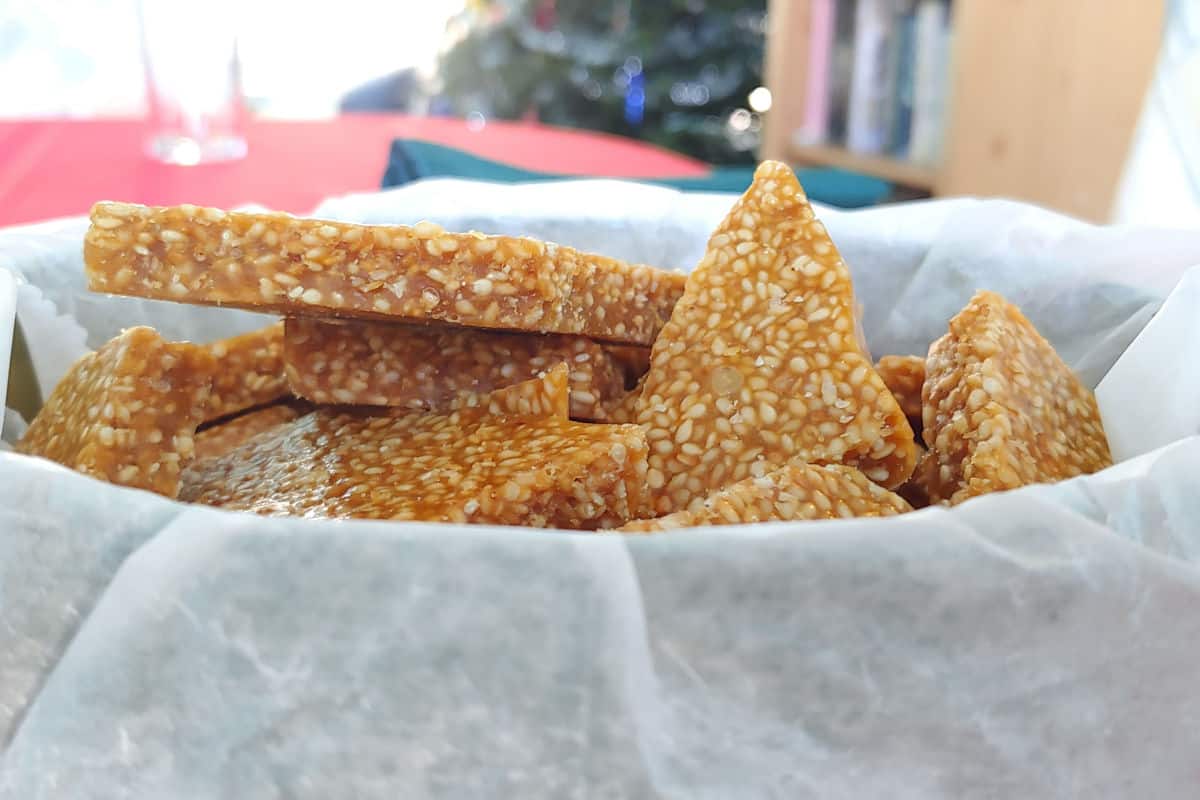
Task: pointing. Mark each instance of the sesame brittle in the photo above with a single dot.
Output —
(759, 363)
(794, 492)
(469, 465)
(127, 413)
(249, 371)
(223, 436)
(425, 368)
(282, 264)
(1002, 410)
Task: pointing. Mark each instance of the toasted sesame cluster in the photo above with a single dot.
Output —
(127, 413)
(425, 368)
(469, 465)
(1002, 410)
(759, 363)
(249, 371)
(794, 492)
(281, 264)
(904, 376)
(226, 434)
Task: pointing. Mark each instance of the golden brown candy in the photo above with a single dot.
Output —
(794, 492)
(1002, 410)
(904, 376)
(127, 413)
(225, 435)
(470, 465)
(249, 371)
(290, 266)
(759, 364)
(425, 368)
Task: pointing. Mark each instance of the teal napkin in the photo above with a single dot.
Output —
(413, 159)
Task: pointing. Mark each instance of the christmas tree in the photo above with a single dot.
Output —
(676, 73)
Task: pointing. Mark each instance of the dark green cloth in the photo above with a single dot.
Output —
(413, 159)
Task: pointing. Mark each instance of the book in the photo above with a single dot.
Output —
(871, 84)
(899, 122)
(930, 80)
(822, 18)
(840, 66)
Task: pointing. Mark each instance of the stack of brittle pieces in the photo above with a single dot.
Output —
(426, 375)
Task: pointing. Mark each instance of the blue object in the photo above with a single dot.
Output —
(413, 159)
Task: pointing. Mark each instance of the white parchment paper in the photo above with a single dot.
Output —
(1037, 643)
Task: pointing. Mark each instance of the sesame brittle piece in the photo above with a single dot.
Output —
(127, 413)
(759, 363)
(249, 371)
(904, 376)
(425, 368)
(220, 438)
(278, 263)
(795, 492)
(1001, 408)
(469, 465)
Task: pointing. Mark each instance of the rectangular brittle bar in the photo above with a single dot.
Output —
(126, 413)
(469, 465)
(278, 263)
(425, 368)
(249, 371)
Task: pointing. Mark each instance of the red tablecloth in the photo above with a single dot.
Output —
(55, 168)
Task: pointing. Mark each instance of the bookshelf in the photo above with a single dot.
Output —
(898, 171)
(1043, 100)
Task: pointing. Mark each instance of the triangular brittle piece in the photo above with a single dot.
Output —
(795, 492)
(1001, 409)
(759, 363)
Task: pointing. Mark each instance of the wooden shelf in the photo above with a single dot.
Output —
(1039, 108)
(904, 173)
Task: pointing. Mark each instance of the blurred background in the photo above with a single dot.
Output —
(1092, 112)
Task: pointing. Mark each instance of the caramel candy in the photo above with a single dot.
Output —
(249, 371)
(759, 364)
(795, 492)
(425, 368)
(904, 376)
(1002, 410)
(469, 465)
(127, 413)
(225, 435)
(278, 263)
